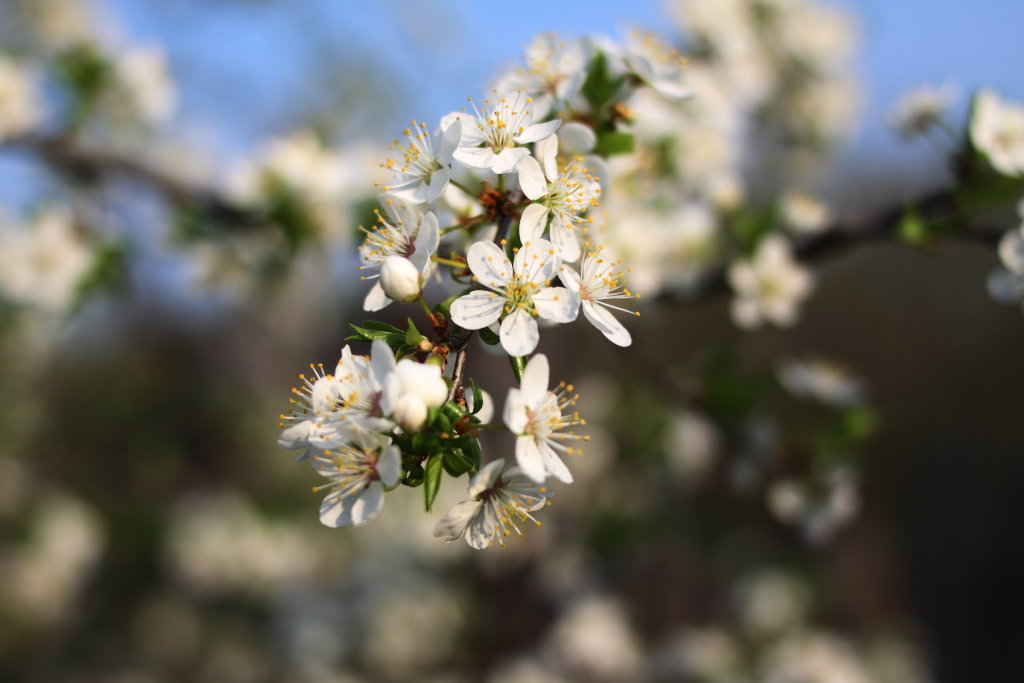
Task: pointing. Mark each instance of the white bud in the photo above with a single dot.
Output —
(400, 279)
(410, 412)
(422, 380)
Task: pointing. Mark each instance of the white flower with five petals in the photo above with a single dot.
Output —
(493, 136)
(405, 232)
(498, 503)
(535, 415)
(770, 286)
(425, 168)
(516, 294)
(359, 472)
(597, 283)
(997, 131)
(559, 196)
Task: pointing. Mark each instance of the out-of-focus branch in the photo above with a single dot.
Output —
(845, 234)
(70, 157)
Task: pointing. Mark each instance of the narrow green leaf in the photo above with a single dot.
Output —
(489, 336)
(456, 463)
(432, 479)
(478, 396)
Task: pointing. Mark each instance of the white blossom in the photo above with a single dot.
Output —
(553, 74)
(803, 214)
(597, 283)
(359, 472)
(559, 198)
(657, 64)
(424, 169)
(516, 294)
(770, 286)
(142, 74)
(821, 381)
(405, 231)
(493, 136)
(920, 109)
(20, 108)
(498, 503)
(538, 419)
(997, 131)
(411, 390)
(43, 263)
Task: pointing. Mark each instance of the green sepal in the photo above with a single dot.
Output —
(432, 479)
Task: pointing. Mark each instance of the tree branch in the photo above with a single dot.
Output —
(64, 154)
(848, 233)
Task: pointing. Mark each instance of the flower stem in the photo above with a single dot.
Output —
(518, 364)
(448, 262)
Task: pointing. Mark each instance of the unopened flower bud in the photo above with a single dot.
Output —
(410, 412)
(400, 279)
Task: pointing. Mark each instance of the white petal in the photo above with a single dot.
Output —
(529, 458)
(367, 504)
(745, 313)
(537, 131)
(336, 511)
(486, 477)
(609, 326)
(553, 465)
(450, 141)
(469, 135)
(516, 404)
(570, 278)
(1011, 251)
(475, 157)
(519, 333)
(375, 299)
(577, 138)
(439, 180)
(382, 361)
(557, 304)
(531, 178)
(537, 261)
(533, 222)
(536, 376)
(489, 264)
(547, 152)
(477, 309)
(389, 466)
(427, 239)
(481, 529)
(508, 159)
(564, 238)
(296, 436)
(454, 523)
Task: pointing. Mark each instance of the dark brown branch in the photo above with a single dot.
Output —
(68, 156)
(845, 234)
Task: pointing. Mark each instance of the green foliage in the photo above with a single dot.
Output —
(612, 142)
(85, 74)
(601, 89)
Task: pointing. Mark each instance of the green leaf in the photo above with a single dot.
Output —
(912, 228)
(612, 142)
(385, 327)
(478, 396)
(412, 334)
(456, 463)
(489, 336)
(414, 477)
(601, 86)
(432, 479)
(394, 339)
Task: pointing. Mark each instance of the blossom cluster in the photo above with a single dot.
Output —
(501, 195)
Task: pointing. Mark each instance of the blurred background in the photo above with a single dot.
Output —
(153, 531)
